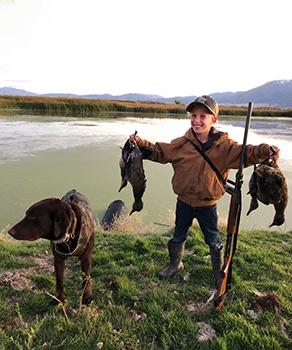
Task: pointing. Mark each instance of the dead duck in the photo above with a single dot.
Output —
(131, 165)
(268, 185)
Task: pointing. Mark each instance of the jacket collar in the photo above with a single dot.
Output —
(215, 137)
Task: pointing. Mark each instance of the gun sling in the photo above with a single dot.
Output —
(208, 160)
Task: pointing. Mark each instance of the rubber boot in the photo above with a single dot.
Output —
(217, 259)
(176, 251)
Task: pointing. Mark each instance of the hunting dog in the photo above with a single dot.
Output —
(68, 224)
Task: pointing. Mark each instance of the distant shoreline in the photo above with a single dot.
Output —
(83, 107)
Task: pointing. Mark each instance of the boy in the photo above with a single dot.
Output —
(196, 183)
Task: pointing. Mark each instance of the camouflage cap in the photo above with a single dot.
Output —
(206, 101)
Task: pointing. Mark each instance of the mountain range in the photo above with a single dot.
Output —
(277, 94)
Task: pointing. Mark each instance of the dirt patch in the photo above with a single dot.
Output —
(199, 307)
(16, 321)
(206, 332)
(16, 281)
(268, 302)
(19, 279)
(44, 266)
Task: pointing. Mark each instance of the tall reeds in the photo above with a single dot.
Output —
(87, 107)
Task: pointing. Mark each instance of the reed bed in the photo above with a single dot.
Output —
(66, 106)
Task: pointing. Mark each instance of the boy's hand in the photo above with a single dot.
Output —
(274, 153)
(134, 139)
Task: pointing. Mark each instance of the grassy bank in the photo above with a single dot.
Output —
(133, 309)
(88, 107)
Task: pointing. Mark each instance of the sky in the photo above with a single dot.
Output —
(160, 47)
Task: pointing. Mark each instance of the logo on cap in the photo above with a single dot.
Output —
(201, 99)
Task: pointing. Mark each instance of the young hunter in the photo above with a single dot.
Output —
(196, 184)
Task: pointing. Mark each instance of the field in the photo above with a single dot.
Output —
(88, 107)
(133, 309)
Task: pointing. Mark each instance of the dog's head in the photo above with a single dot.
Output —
(49, 219)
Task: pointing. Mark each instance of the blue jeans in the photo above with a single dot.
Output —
(207, 218)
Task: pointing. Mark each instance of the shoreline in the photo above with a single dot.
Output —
(65, 106)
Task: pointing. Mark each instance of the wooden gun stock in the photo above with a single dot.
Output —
(225, 273)
(233, 213)
(222, 288)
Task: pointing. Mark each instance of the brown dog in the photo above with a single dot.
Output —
(69, 225)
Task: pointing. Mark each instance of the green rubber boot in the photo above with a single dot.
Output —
(176, 252)
(217, 259)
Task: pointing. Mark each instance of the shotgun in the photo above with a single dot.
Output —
(233, 222)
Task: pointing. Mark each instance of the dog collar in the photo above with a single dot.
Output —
(63, 239)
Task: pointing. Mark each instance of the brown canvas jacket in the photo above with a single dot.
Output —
(194, 181)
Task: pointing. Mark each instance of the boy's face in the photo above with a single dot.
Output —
(202, 120)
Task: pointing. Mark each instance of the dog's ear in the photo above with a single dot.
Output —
(62, 220)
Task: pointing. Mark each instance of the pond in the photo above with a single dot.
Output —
(42, 157)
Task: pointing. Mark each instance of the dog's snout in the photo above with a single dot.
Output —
(11, 232)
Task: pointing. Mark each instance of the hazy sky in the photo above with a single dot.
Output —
(164, 47)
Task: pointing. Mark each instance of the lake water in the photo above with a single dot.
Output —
(43, 157)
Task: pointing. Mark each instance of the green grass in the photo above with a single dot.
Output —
(125, 284)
